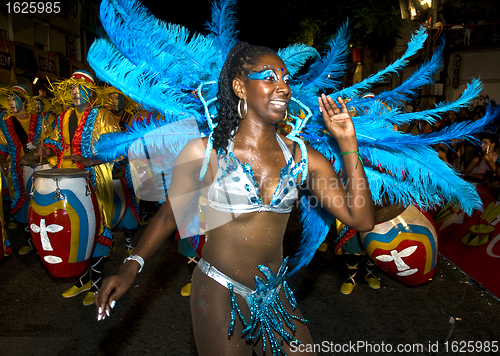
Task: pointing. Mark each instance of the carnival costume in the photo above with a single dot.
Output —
(5, 249)
(46, 111)
(16, 136)
(95, 122)
(178, 76)
(124, 172)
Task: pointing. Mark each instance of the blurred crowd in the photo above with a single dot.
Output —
(476, 160)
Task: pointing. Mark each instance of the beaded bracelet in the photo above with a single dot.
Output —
(356, 152)
(137, 259)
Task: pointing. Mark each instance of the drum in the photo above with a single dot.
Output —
(404, 246)
(32, 164)
(64, 220)
(118, 198)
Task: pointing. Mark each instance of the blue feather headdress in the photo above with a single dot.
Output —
(167, 70)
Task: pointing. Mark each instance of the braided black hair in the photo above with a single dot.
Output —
(238, 59)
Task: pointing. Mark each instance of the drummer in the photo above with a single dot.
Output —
(45, 110)
(20, 129)
(125, 110)
(70, 145)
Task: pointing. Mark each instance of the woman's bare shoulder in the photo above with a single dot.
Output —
(193, 151)
(195, 147)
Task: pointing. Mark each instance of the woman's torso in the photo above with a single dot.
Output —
(238, 241)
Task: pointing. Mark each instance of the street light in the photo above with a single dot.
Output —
(413, 8)
(426, 4)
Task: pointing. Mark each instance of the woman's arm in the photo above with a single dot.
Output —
(353, 204)
(183, 188)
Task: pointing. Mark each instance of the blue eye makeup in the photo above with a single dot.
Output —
(269, 74)
(264, 75)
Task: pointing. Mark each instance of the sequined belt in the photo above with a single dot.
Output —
(223, 280)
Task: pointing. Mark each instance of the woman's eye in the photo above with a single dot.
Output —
(272, 76)
(264, 75)
(269, 75)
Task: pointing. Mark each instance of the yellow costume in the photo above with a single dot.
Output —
(18, 129)
(91, 125)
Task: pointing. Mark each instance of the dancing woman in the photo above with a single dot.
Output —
(251, 183)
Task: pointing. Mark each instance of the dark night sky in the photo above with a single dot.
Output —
(255, 21)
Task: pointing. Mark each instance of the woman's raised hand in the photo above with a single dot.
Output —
(337, 120)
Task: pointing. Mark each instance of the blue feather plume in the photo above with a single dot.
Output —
(153, 142)
(416, 43)
(296, 55)
(327, 72)
(222, 26)
(424, 75)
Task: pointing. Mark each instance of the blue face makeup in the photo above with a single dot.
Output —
(39, 106)
(81, 95)
(269, 74)
(15, 103)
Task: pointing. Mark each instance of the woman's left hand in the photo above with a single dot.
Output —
(337, 120)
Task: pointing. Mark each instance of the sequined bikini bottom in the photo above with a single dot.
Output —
(267, 313)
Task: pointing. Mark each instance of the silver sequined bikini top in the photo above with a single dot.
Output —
(234, 189)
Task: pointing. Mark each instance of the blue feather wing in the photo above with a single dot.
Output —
(424, 75)
(416, 43)
(164, 77)
(165, 47)
(154, 143)
(139, 83)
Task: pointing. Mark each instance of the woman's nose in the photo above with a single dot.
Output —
(283, 87)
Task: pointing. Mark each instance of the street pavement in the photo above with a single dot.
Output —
(449, 314)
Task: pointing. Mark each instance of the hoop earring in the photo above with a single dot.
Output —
(286, 114)
(245, 109)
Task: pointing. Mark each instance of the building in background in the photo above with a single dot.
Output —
(472, 33)
(45, 42)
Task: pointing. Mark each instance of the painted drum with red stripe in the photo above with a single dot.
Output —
(64, 220)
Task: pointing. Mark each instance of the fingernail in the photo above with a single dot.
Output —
(107, 312)
(100, 310)
(99, 317)
(112, 304)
